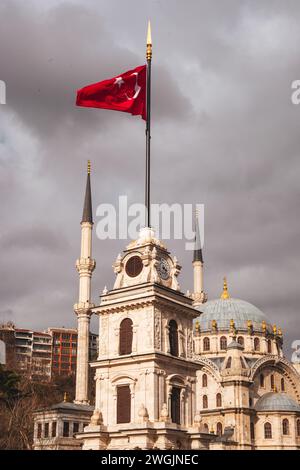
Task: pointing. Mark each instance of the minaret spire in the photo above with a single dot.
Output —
(87, 215)
(85, 266)
(199, 295)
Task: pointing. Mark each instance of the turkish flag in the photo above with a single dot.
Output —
(126, 93)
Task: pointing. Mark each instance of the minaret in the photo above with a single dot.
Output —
(85, 265)
(199, 295)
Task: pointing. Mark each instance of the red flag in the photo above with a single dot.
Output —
(126, 92)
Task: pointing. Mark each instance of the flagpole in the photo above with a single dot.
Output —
(148, 126)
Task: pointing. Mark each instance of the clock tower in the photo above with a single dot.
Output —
(145, 376)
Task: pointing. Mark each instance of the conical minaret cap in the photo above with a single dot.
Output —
(87, 215)
(197, 248)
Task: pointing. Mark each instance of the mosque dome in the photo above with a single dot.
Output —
(277, 402)
(225, 309)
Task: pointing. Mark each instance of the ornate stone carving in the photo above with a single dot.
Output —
(143, 413)
(96, 418)
(157, 329)
(164, 414)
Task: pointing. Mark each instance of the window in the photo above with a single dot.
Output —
(262, 380)
(269, 346)
(298, 427)
(256, 344)
(272, 382)
(134, 266)
(125, 345)
(282, 385)
(204, 380)
(206, 344)
(66, 428)
(205, 401)
(219, 429)
(205, 427)
(228, 365)
(285, 427)
(252, 431)
(39, 431)
(123, 404)
(241, 340)
(75, 427)
(250, 402)
(173, 337)
(46, 433)
(218, 400)
(268, 431)
(53, 431)
(243, 366)
(175, 405)
(223, 343)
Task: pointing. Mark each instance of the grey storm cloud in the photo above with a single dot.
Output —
(225, 134)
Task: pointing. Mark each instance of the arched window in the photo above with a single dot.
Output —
(175, 405)
(298, 427)
(241, 341)
(125, 345)
(218, 400)
(206, 344)
(204, 380)
(205, 427)
(256, 344)
(262, 380)
(223, 343)
(123, 404)
(205, 401)
(272, 382)
(219, 429)
(268, 431)
(252, 431)
(282, 385)
(228, 365)
(173, 337)
(285, 427)
(269, 346)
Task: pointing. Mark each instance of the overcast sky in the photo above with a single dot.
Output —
(224, 133)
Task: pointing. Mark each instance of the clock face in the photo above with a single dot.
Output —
(134, 266)
(163, 269)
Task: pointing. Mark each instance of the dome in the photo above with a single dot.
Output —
(224, 310)
(277, 402)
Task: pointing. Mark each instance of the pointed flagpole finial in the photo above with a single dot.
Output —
(225, 294)
(149, 43)
(149, 39)
(89, 167)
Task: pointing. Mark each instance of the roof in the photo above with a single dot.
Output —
(277, 402)
(197, 248)
(235, 345)
(224, 310)
(87, 215)
(68, 406)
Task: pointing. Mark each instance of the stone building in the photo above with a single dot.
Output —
(175, 371)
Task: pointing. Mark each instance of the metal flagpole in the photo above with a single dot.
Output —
(148, 128)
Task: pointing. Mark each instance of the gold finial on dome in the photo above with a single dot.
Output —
(275, 330)
(89, 167)
(225, 294)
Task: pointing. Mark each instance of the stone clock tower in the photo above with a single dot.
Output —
(145, 377)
